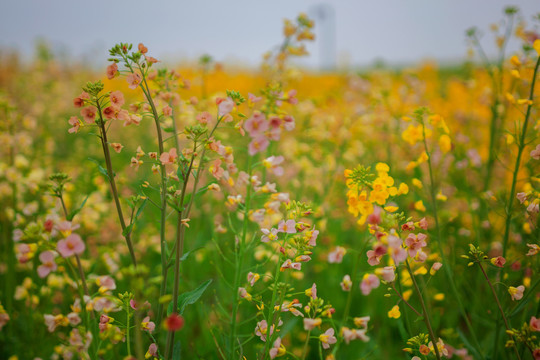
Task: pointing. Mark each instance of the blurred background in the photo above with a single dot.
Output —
(350, 33)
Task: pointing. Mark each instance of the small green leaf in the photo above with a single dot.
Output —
(188, 298)
(176, 354)
(100, 168)
(76, 211)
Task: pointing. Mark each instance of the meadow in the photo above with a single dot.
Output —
(208, 212)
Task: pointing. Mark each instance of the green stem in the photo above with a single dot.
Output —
(424, 311)
(447, 267)
(500, 308)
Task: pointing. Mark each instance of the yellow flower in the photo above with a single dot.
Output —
(403, 189)
(445, 143)
(382, 168)
(514, 60)
(417, 183)
(419, 205)
(536, 46)
(439, 297)
(394, 313)
(413, 134)
(440, 196)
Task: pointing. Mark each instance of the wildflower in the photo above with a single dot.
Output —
(353, 334)
(225, 106)
(168, 157)
(312, 291)
(252, 278)
(117, 147)
(423, 224)
(133, 79)
(256, 125)
(362, 322)
(152, 351)
(47, 263)
(75, 124)
(105, 284)
(369, 282)
(74, 319)
(522, 197)
(277, 349)
(388, 274)
(419, 205)
(174, 322)
(148, 325)
(336, 256)
(434, 268)
(498, 261)
(167, 110)
(112, 70)
(252, 99)
(516, 293)
(394, 313)
(272, 163)
(415, 243)
(288, 226)
(440, 346)
(105, 322)
(4, 317)
(289, 264)
(261, 329)
(327, 338)
(89, 114)
(534, 324)
(71, 245)
(52, 322)
(534, 249)
(242, 292)
(258, 144)
(346, 283)
(204, 117)
(79, 101)
(269, 235)
(310, 324)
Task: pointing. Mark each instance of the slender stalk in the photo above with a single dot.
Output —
(239, 258)
(353, 281)
(405, 301)
(112, 182)
(499, 306)
(447, 267)
(304, 352)
(521, 147)
(424, 311)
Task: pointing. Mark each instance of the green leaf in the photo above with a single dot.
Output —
(186, 254)
(188, 298)
(76, 211)
(176, 354)
(100, 168)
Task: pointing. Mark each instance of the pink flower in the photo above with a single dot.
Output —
(112, 70)
(369, 282)
(533, 249)
(435, 267)
(423, 223)
(242, 292)
(252, 278)
(89, 114)
(336, 256)
(71, 245)
(167, 110)
(373, 258)
(375, 217)
(261, 329)
(204, 117)
(346, 283)
(117, 99)
(117, 147)
(252, 99)
(498, 261)
(313, 238)
(291, 97)
(327, 338)
(79, 101)
(399, 255)
(310, 324)
(388, 274)
(225, 106)
(521, 197)
(272, 163)
(168, 157)
(516, 293)
(133, 79)
(269, 235)
(312, 291)
(535, 154)
(415, 243)
(152, 351)
(289, 264)
(288, 226)
(74, 319)
(47, 264)
(277, 349)
(534, 324)
(75, 124)
(258, 144)
(148, 325)
(288, 123)
(256, 125)
(105, 283)
(353, 334)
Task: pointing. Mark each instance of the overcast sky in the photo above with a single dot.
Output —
(358, 33)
